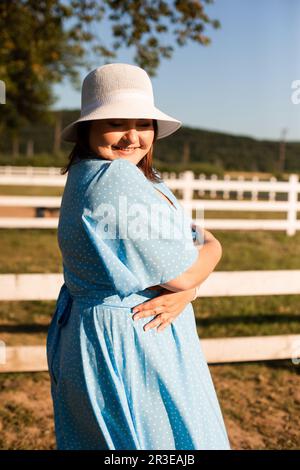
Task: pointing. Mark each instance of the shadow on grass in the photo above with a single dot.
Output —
(282, 365)
(248, 320)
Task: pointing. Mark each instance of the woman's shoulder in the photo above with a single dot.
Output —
(98, 167)
(119, 176)
(97, 163)
(119, 170)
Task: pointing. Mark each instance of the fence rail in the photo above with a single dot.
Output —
(216, 351)
(16, 287)
(24, 287)
(218, 284)
(28, 170)
(192, 188)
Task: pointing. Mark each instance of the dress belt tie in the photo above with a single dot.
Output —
(64, 305)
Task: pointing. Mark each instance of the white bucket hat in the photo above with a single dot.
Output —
(119, 91)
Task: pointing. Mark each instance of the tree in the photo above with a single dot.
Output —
(35, 52)
(45, 41)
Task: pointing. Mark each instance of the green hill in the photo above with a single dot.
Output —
(197, 149)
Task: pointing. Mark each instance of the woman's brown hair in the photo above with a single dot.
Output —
(81, 150)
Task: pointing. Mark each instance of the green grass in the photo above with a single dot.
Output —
(260, 401)
(247, 316)
(215, 317)
(245, 215)
(29, 251)
(36, 251)
(258, 250)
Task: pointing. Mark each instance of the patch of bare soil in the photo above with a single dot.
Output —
(26, 414)
(260, 404)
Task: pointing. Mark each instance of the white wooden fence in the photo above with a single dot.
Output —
(219, 284)
(9, 170)
(247, 198)
(217, 350)
(193, 189)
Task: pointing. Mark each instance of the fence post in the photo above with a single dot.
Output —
(188, 190)
(292, 210)
(272, 194)
(202, 177)
(213, 192)
(240, 193)
(254, 193)
(226, 192)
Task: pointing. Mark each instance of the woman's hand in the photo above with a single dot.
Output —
(166, 307)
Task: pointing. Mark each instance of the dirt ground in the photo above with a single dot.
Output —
(260, 404)
(260, 401)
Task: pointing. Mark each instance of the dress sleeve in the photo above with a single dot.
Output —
(139, 238)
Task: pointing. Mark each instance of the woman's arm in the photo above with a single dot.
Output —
(209, 256)
(166, 307)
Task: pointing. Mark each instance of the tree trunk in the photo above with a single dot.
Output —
(29, 148)
(57, 131)
(15, 146)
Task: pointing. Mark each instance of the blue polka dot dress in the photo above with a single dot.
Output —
(114, 385)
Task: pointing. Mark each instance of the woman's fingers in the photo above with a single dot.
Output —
(153, 323)
(159, 322)
(163, 308)
(148, 313)
(163, 325)
(159, 301)
(150, 304)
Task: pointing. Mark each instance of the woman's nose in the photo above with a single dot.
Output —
(131, 135)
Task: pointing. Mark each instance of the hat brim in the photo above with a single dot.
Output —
(166, 124)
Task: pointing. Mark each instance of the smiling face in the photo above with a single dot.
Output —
(109, 138)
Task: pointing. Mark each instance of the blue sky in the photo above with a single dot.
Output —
(240, 84)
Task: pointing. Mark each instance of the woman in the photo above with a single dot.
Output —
(117, 381)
